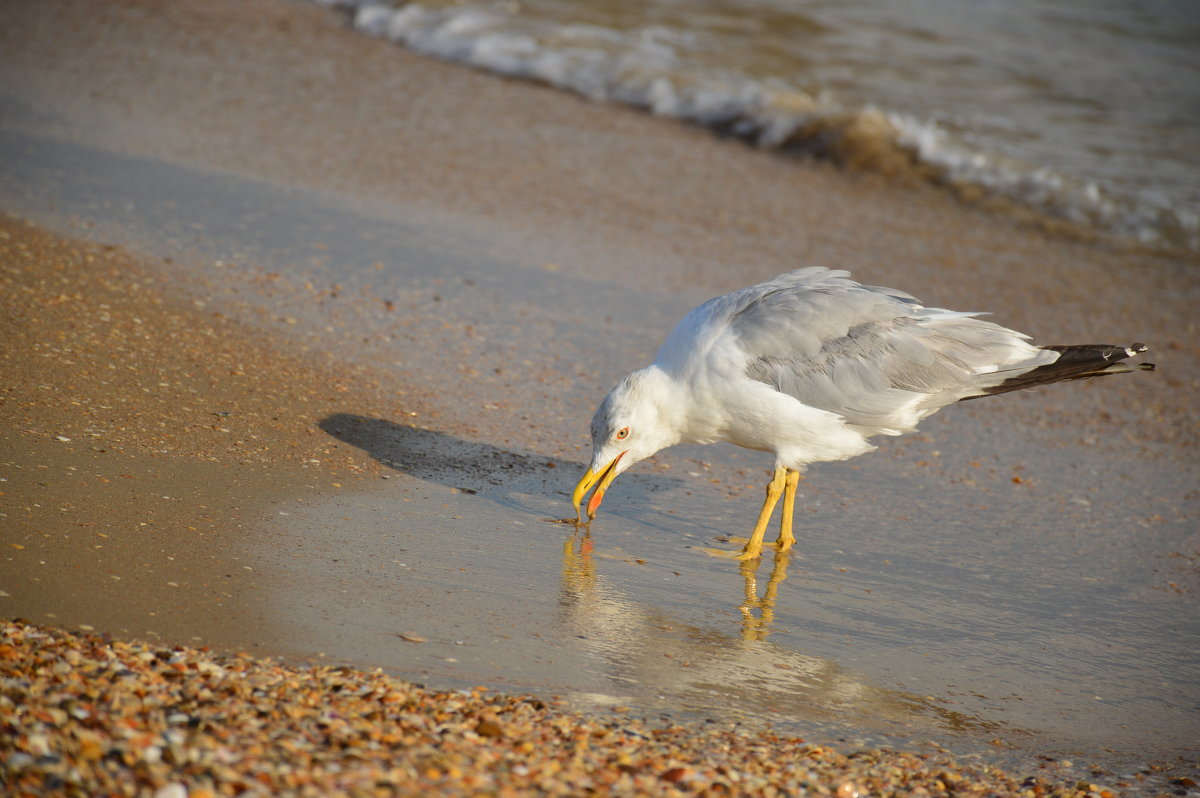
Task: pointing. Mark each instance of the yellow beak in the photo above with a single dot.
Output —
(605, 478)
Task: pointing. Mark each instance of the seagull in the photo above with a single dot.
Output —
(810, 366)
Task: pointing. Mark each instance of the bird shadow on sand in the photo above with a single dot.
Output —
(438, 457)
(469, 466)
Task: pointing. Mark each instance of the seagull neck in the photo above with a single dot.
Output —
(669, 401)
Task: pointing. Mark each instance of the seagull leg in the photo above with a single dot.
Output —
(786, 538)
(754, 544)
(774, 491)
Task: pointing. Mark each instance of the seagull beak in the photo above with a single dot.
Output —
(605, 478)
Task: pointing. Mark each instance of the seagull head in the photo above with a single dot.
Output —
(633, 422)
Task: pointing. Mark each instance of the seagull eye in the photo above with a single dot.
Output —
(622, 433)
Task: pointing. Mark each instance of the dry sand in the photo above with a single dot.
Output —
(149, 410)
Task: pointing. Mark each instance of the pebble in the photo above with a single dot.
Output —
(134, 718)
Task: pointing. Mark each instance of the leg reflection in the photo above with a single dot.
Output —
(578, 569)
(758, 627)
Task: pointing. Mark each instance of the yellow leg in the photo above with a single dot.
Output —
(754, 544)
(774, 490)
(786, 538)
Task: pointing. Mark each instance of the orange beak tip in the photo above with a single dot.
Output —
(604, 478)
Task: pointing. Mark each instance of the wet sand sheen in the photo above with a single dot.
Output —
(321, 354)
(142, 431)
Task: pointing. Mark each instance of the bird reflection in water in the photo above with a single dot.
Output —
(759, 627)
(657, 658)
(579, 583)
(578, 569)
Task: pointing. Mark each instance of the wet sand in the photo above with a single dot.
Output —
(431, 278)
(139, 429)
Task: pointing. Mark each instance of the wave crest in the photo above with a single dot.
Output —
(646, 68)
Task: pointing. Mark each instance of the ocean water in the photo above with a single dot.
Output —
(1083, 110)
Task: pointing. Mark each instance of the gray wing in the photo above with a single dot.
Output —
(873, 355)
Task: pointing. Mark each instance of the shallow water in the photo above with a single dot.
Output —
(1085, 110)
(1025, 621)
(933, 595)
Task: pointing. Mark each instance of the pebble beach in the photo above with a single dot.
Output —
(86, 715)
(183, 381)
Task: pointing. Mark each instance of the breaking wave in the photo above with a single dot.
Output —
(649, 68)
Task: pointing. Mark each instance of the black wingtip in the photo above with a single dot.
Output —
(1076, 362)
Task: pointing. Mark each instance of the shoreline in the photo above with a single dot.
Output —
(788, 121)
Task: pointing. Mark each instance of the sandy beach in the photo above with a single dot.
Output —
(301, 336)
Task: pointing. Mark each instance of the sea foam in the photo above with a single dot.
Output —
(647, 68)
